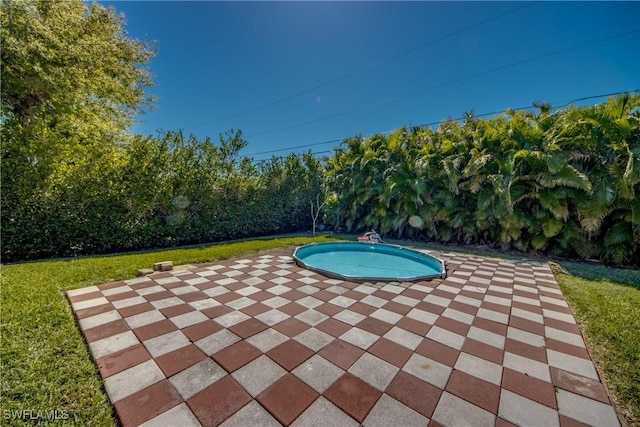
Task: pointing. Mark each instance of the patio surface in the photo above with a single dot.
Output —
(258, 341)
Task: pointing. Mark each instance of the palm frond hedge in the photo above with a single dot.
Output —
(564, 183)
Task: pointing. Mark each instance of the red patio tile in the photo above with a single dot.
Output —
(201, 330)
(496, 307)
(412, 293)
(491, 326)
(414, 326)
(261, 296)
(93, 311)
(147, 403)
(484, 351)
(247, 328)
(578, 384)
(176, 310)
(556, 308)
(236, 286)
(475, 390)
(565, 348)
(228, 297)
(530, 387)
(328, 309)
(417, 394)
(121, 296)
(158, 296)
(178, 360)
(570, 422)
(430, 307)
(527, 307)
(106, 330)
(213, 312)
(354, 295)
(397, 307)
(155, 329)
(292, 309)
(193, 296)
(438, 352)
(255, 309)
(384, 294)
(324, 295)
(236, 356)
(289, 354)
(375, 326)
(341, 353)
(362, 308)
(391, 352)
(503, 423)
(85, 297)
(563, 326)
(526, 350)
(353, 396)
(218, 402)
(132, 310)
(293, 295)
(287, 398)
(121, 360)
(452, 325)
(465, 308)
(333, 327)
(112, 285)
(291, 327)
(526, 325)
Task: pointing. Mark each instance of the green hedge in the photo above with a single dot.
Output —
(565, 183)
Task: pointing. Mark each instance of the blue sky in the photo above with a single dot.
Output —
(300, 73)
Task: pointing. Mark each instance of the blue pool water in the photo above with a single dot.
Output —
(367, 261)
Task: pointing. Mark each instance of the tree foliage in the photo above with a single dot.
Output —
(564, 183)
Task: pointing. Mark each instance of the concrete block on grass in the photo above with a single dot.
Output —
(163, 266)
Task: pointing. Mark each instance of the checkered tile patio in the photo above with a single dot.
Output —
(260, 341)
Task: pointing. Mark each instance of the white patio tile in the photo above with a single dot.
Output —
(188, 319)
(386, 316)
(524, 412)
(167, 302)
(323, 413)
(258, 375)
(215, 342)
(314, 339)
(528, 315)
(487, 337)
(427, 369)
(267, 339)
(374, 371)
(446, 337)
(525, 337)
(586, 410)
(179, 415)
(404, 338)
(527, 366)
(272, 317)
(251, 414)
(128, 302)
(563, 336)
(573, 364)
(374, 300)
(493, 315)
(318, 373)
(232, 318)
(350, 317)
(197, 377)
(390, 412)
(453, 411)
(480, 368)
(204, 303)
(312, 317)
(99, 319)
(359, 338)
(94, 302)
(458, 315)
(166, 343)
(132, 380)
(111, 344)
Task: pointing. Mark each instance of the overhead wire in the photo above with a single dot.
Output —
(425, 125)
(450, 82)
(365, 68)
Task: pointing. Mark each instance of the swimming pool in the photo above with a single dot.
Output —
(362, 261)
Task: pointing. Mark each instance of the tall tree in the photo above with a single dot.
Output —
(72, 83)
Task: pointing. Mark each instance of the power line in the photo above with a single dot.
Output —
(365, 68)
(449, 83)
(424, 125)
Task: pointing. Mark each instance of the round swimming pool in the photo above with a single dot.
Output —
(362, 261)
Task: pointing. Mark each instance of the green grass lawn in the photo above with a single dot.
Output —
(46, 366)
(45, 363)
(606, 304)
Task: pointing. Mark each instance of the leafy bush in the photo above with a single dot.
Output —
(566, 183)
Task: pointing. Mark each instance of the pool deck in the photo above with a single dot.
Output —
(259, 341)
